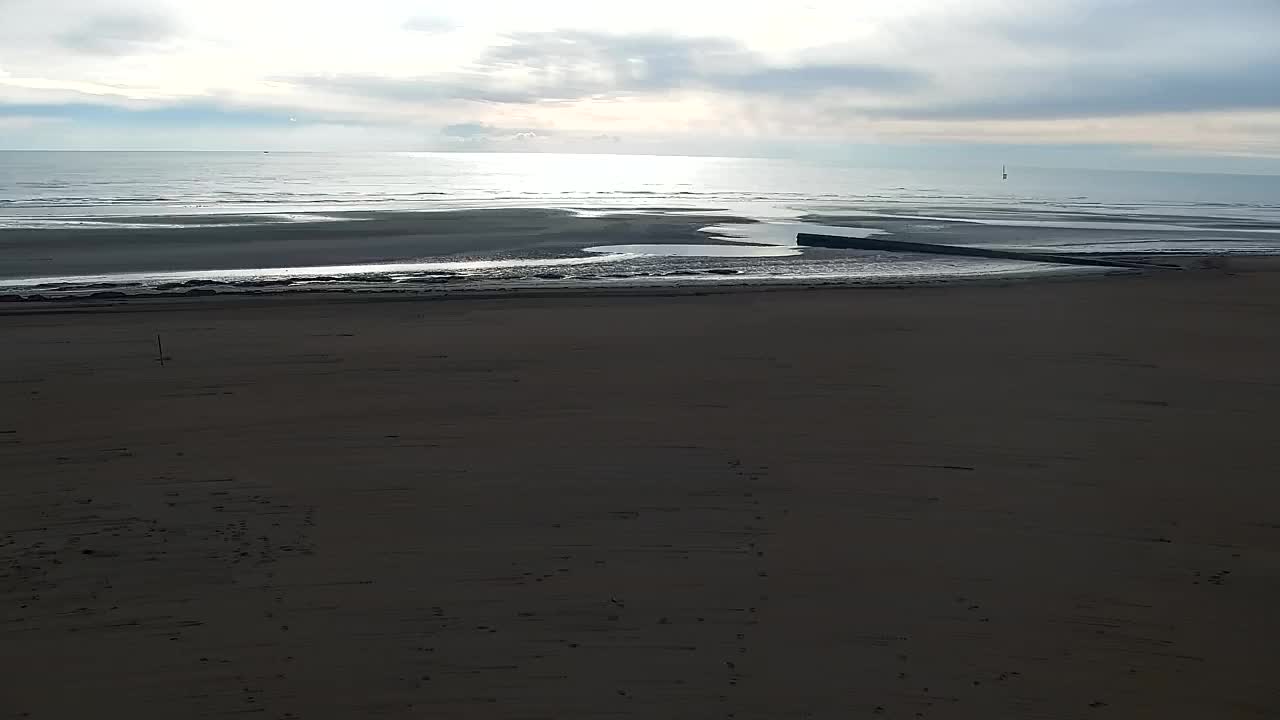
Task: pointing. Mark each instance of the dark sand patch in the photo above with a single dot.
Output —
(1045, 500)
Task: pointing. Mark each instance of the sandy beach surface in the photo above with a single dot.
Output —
(219, 242)
(1049, 500)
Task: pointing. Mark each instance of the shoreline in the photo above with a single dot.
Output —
(203, 297)
(525, 249)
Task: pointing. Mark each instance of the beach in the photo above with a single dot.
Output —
(74, 225)
(1049, 499)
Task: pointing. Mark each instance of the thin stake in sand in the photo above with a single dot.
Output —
(159, 350)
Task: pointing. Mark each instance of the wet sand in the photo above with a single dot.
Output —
(228, 242)
(1051, 500)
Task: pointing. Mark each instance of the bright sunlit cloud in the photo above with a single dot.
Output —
(1181, 77)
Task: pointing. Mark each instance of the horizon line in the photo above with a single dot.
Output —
(474, 151)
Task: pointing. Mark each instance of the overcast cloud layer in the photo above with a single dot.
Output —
(1130, 81)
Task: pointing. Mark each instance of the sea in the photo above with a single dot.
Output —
(112, 224)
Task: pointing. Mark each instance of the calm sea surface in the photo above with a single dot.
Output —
(64, 184)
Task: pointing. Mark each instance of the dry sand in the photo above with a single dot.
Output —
(1048, 500)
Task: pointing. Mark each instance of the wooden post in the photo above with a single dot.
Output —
(159, 350)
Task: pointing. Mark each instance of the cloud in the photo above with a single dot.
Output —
(446, 86)
(24, 122)
(1096, 58)
(824, 71)
(1099, 92)
(119, 34)
(468, 131)
(578, 63)
(1099, 26)
(809, 79)
(1255, 133)
(15, 87)
(482, 133)
(430, 25)
(188, 114)
(573, 65)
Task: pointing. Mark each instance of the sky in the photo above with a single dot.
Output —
(1136, 84)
